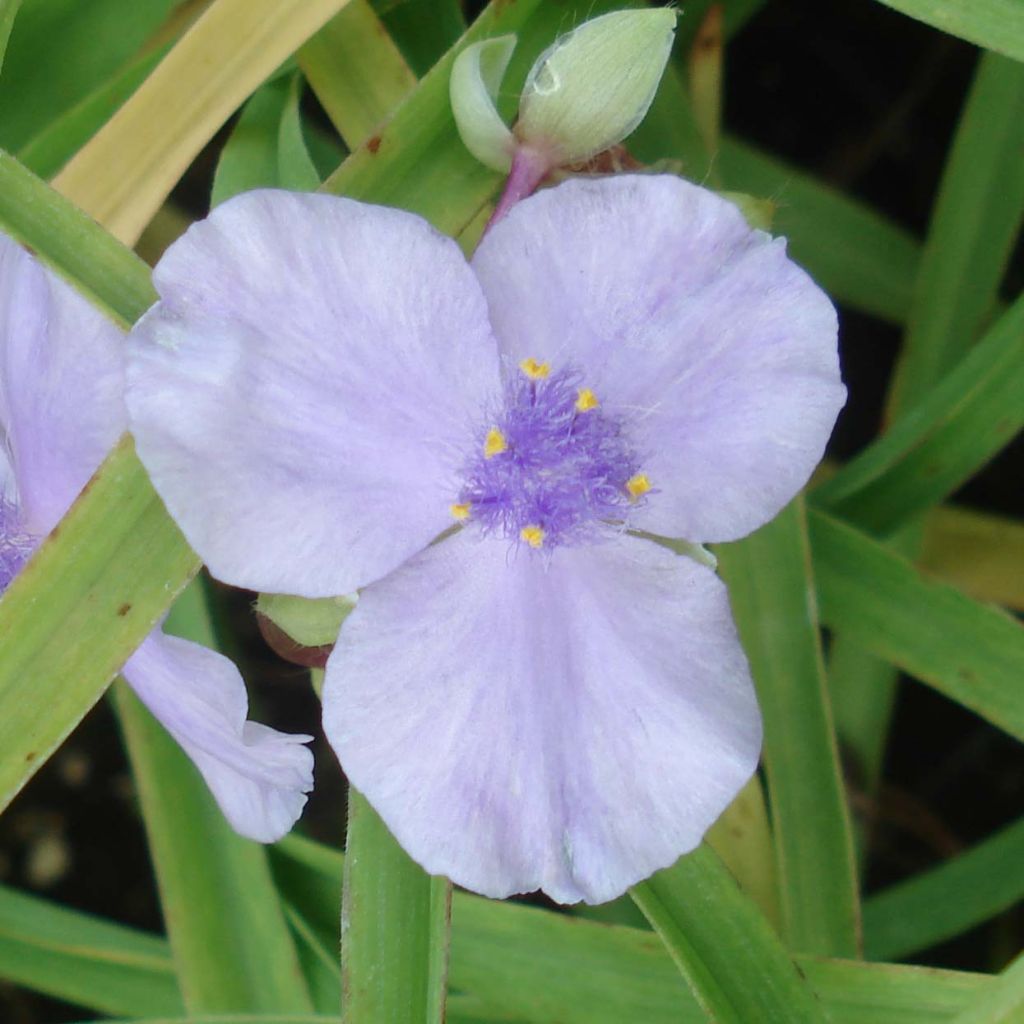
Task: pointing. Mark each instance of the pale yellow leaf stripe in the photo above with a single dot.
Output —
(357, 72)
(981, 553)
(126, 171)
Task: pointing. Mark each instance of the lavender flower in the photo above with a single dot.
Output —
(329, 398)
(61, 409)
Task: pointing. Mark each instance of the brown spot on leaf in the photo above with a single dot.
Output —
(373, 143)
(124, 609)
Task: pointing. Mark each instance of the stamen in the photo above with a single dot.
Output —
(535, 370)
(494, 443)
(533, 535)
(638, 486)
(552, 466)
(15, 545)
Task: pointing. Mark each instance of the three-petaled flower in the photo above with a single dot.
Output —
(530, 692)
(61, 410)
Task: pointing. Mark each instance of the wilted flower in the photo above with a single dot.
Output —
(328, 397)
(61, 410)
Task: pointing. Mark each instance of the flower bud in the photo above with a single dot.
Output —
(309, 622)
(473, 87)
(593, 86)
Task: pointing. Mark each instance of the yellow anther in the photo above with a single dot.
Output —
(638, 486)
(460, 511)
(586, 401)
(494, 443)
(535, 370)
(533, 535)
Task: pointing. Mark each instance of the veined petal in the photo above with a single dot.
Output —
(258, 776)
(61, 385)
(519, 722)
(718, 351)
(303, 392)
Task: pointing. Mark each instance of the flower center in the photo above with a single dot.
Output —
(15, 544)
(552, 467)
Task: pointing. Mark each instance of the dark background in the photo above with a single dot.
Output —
(863, 98)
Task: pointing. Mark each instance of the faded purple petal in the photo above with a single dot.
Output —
(716, 350)
(61, 382)
(258, 776)
(303, 392)
(570, 723)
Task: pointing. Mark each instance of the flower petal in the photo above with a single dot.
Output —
(61, 385)
(258, 776)
(717, 349)
(301, 392)
(570, 724)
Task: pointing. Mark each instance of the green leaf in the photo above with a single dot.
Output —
(231, 1018)
(249, 158)
(994, 24)
(771, 586)
(424, 29)
(541, 966)
(972, 653)
(295, 167)
(934, 447)
(107, 273)
(49, 68)
(85, 960)
(502, 955)
(1002, 1003)
(948, 899)
(102, 581)
(954, 428)
(960, 270)
(394, 928)
(319, 963)
(858, 993)
(49, 149)
(976, 220)
(8, 10)
(731, 959)
(215, 887)
(357, 72)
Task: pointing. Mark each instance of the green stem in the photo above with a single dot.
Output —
(395, 922)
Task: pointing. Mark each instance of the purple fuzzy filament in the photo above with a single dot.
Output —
(15, 544)
(563, 469)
